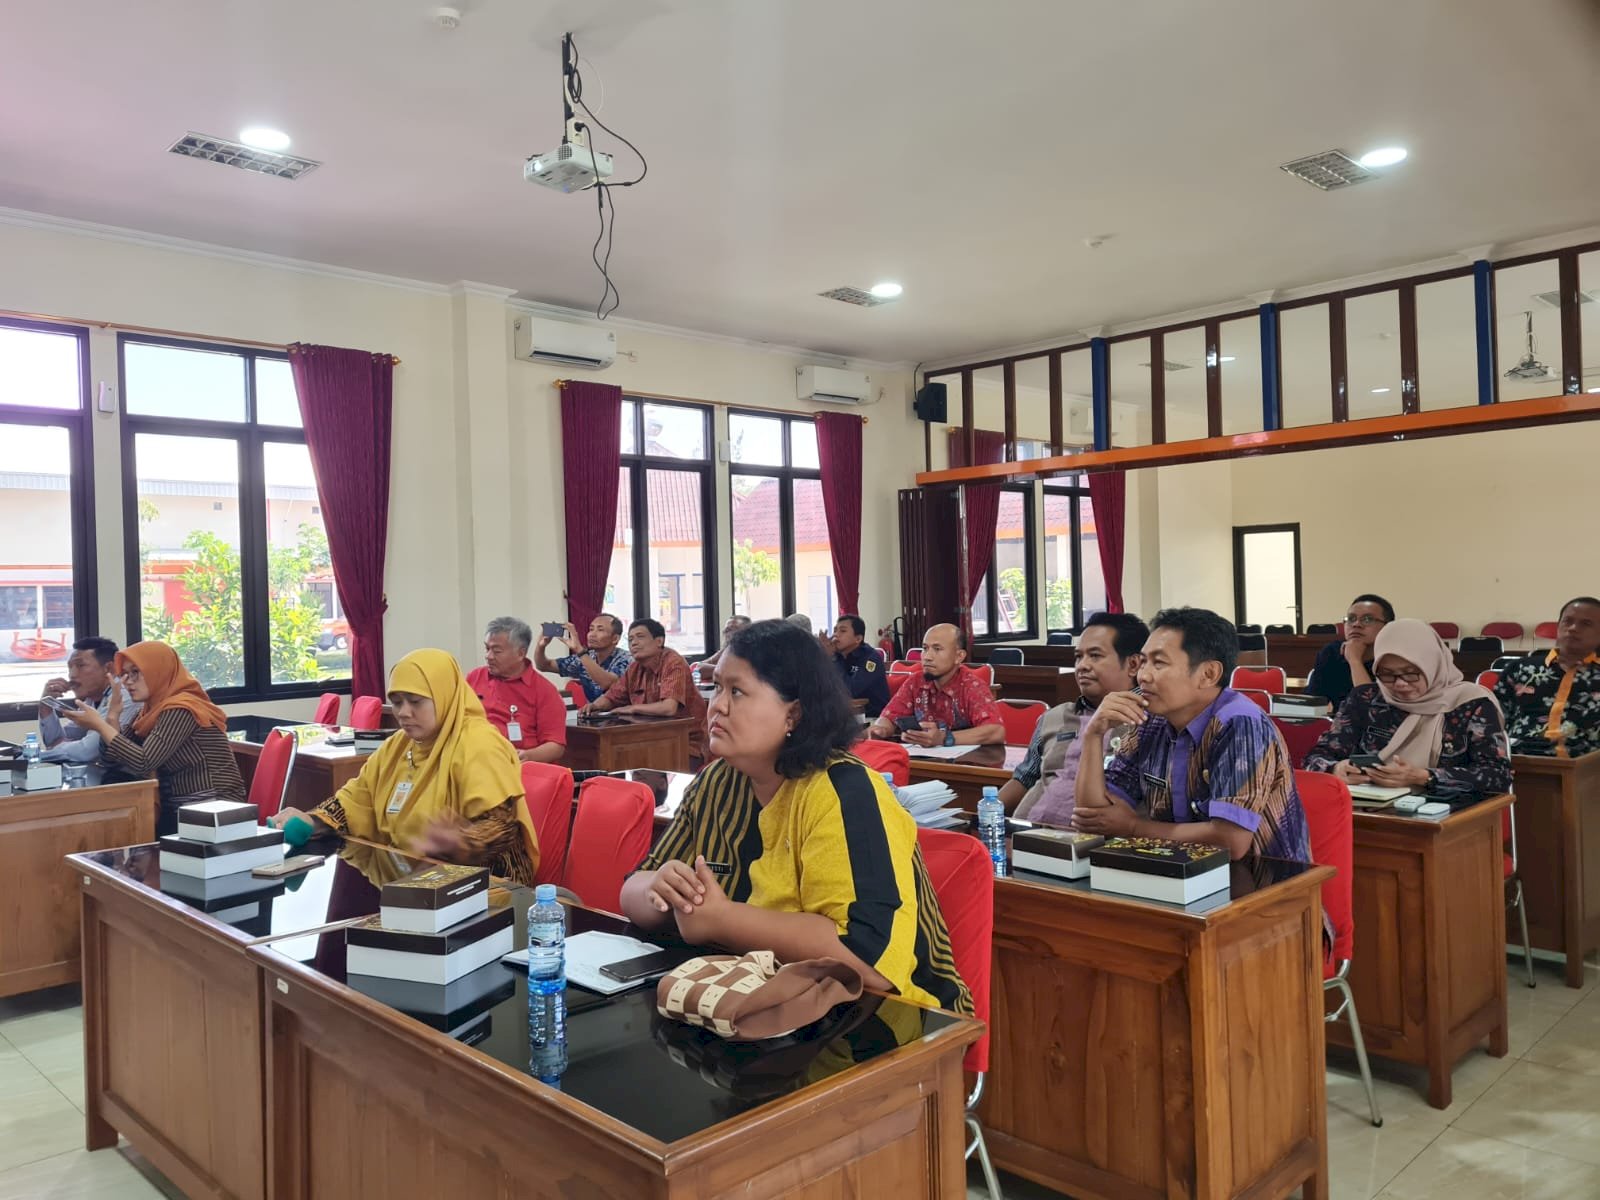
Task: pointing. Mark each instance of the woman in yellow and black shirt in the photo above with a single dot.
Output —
(788, 843)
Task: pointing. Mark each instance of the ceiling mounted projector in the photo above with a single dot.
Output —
(570, 167)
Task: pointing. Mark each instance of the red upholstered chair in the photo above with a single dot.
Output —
(962, 878)
(610, 837)
(914, 655)
(1326, 801)
(886, 758)
(1546, 630)
(579, 696)
(549, 790)
(1021, 717)
(328, 709)
(270, 783)
(898, 676)
(985, 670)
(366, 712)
(1271, 680)
(1261, 699)
(1487, 679)
(1506, 631)
(1301, 735)
(1447, 630)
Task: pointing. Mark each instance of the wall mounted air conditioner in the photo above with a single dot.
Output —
(833, 385)
(581, 346)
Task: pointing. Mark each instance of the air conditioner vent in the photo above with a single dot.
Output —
(235, 154)
(1168, 365)
(854, 295)
(1553, 299)
(1328, 171)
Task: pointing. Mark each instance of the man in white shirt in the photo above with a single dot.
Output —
(91, 678)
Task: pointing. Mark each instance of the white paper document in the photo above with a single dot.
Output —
(587, 952)
(937, 751)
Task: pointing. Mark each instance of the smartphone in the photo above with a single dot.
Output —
(553, 629)
(907, 724)
(289, 866)
(646, 965)
(1365, 760)
(59, 705)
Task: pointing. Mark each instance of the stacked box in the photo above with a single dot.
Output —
(1158, 869)
(217, 838)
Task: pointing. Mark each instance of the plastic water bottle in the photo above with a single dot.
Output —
(992, 830)
(30, 747)
(547, 986)
(888, 778)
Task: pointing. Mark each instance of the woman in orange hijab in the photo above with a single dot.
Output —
(180, 737)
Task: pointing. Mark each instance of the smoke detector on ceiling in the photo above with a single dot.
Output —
(446, 16)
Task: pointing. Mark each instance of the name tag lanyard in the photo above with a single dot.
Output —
(402, 790)
(513, 726)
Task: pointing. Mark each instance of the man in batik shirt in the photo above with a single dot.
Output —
(1551, 698)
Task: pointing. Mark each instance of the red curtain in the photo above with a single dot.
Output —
(346, 404)
(983, 510)
(591, 455)
(839, 455)
(1108, 492)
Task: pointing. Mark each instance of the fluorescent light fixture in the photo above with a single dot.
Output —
(1384, 156)
(1593, 392)
(263, 137)
(886, 290)
(1228, 357)
(1379, 391)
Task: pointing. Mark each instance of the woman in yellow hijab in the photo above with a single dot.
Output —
(449, 788)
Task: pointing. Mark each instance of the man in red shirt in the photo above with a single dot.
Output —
(658, 683)
(519, 702)
(952, 704)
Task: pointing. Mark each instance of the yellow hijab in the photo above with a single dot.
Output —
(467, 768)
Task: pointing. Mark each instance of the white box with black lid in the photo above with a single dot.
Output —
(1059, 852)
(434, 899)
(207, 860)
(438, 958)
(217, 821)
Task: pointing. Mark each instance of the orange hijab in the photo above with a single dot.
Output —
(171, 686)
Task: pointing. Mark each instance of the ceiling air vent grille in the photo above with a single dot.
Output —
(1168, 365)
(851, 295)
(1328, 171)
(234, 154)
(1553, 299)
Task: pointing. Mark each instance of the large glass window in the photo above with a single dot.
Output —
(1074, 584)
(46, 563)
(228, 558)
(1004, 605)
(660, 556)
(782, 556)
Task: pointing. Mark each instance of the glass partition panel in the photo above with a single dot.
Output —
(1447, 344)
(1527, 332)
(1130, 392)
(1077, 399)
(1185, 354)
(1303, 351)
(989, 400)
(1239, 348)
(1372, 351)
(1033, 408)
(1589, 315)
(39, 369)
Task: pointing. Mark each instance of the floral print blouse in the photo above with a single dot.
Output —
(1472, 753)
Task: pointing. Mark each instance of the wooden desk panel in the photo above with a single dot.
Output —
(623, 745)
(38, 900)
(1558, 850)
(1143, 1052)
(1053, 685)
(1429, 971)
(1296, 653)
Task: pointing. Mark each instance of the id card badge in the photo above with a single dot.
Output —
(402, 793)
(513, 727)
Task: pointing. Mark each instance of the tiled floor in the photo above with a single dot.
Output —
(1525, 1127)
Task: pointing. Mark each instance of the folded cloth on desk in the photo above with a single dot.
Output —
(587, 952)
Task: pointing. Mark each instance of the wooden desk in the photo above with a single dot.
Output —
(1429, 972)
(983, 766)
(319, 771)
(1034, 655)
(39, 908)
(1296, 653)
(1150, 1051)
(659, 743)
(1558, 850)
(1053, 685)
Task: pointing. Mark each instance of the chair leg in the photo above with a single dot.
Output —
(1360, 1044)
(1527, 945)
(980, 1147)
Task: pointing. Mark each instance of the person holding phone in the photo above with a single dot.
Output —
(788, 842)
(92, 678)
(1420, 724)
(596, 662)
(519, 702)
(948, 704)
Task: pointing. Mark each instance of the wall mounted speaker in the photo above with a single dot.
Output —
(932, 403)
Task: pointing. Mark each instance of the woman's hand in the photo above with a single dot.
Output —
(676, 888)
(703, 923)
(89, 718)
(1346, 770)
(114, 709)
(1399, 773)
(441, 839)
(282, 817)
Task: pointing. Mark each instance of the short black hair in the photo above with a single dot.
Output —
(105, 650)
(1207, 637)
(1369, 598)
(656, 628)
(792, 663)
(1570, 603)
(1130, 632)
(616, 624)
(856, 623)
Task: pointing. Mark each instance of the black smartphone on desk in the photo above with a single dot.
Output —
(630, 970)
(907, 724)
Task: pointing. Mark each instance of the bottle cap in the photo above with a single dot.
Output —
(544, 892)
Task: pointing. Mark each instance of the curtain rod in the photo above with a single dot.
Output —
(561, 383)
(173, 333)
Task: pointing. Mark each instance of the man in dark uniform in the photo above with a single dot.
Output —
(860, 666)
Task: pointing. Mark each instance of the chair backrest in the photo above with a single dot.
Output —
(1504, 662)
(1487, 679)
(1300, 735)
(1482, 645)
(328, 709)
(575, 690)
(1060, 638)
(1326, 801)
(549, 790)
(1546, 630)
(1021, 718)
(1006, 656)
(914, 654)
(1321, 629)
(366, 712)
(1252, 641)
(1260, 699)
(886, 758)
(985, 670)
(610, 837)
(905, 666)
(270, 783)
(1247, 629)
(962, 878)
(1504, 630)
(1448, 630)
(1271, 680)
(1283, 629)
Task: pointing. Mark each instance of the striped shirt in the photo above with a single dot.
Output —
(834, 842)
(188, 759)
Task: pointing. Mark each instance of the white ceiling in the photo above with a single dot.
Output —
(963, 149)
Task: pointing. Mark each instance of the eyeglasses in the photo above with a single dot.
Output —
(132, 673)
(1367, 620)
(1398, 676)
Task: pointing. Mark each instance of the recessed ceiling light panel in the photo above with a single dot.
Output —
(886, 290)
(1328, 171)
(237, 154)
(856, 296)
(262, 137)
(1384, 156)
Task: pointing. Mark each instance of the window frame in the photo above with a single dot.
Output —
(639, 465)
(991, 586)
(79, 424)
(1077, 493)
(786, 476)
(249, 438)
